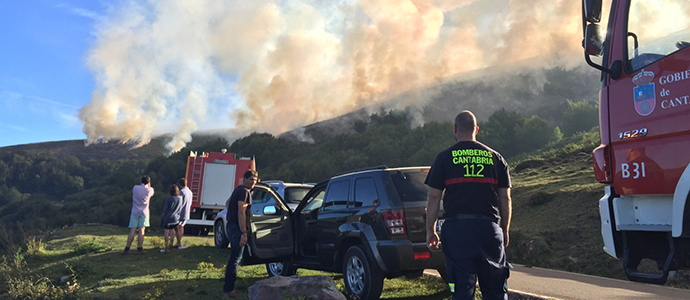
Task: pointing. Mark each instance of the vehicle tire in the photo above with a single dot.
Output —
(280, 269)
(220, 239)
(362, 277)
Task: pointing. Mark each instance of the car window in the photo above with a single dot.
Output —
(295, 194)
(269, 199)
(315, 202)
(410, 185)
(337, 195)
(365, 192)
(258, 196)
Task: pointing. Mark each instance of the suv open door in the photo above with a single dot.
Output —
(271, 238)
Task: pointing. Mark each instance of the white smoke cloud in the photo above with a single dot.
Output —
(270, 66)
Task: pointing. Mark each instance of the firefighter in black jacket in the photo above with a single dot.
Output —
(477, 208)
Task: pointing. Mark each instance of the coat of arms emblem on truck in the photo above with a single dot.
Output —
(643, 93)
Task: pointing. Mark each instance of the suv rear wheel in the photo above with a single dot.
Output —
(219, 239)
(280, 269)
(363, 280)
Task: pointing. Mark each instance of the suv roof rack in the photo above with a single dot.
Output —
(379, 167)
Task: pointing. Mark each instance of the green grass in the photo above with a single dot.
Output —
(92, 253)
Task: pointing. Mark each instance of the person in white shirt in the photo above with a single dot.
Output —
(139, 219)
(186, 194)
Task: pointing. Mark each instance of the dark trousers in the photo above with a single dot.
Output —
(474, 250)
(236, 251)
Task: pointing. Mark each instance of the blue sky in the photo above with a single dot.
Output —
(43, 75)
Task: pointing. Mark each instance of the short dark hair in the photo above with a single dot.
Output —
(249, 173)
(145, 180)
(182, 182)
(466, 121)
(174, 191)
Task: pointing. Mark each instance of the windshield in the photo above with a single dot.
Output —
(656, 29)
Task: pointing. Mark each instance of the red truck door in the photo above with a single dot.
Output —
(649, 104)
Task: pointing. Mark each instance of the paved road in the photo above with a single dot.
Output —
(551, 284)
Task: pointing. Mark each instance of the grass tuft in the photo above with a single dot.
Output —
(35, 247)
(90, 245)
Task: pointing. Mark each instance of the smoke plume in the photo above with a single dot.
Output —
(270, 66)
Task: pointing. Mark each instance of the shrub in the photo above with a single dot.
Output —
(579, 117)
(21, 283)
(85, 246)
(35, 247)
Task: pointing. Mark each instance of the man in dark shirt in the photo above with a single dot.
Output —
(477, 208)
(239, 220)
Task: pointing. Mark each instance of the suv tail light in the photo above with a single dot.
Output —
(394, 220)
(422, 255)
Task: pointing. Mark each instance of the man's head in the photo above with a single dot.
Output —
(145, 180)
(182, 182)
(250, 178)
(465, 126)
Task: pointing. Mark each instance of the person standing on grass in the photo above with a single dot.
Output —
(139, 219)
(477, 209)
(171, 216)
(239, 220)
(186, 194)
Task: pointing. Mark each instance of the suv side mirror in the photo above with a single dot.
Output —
(270, 210)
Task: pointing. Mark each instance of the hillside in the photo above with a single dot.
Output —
(526, 89)
(112, 150)
(77, 148)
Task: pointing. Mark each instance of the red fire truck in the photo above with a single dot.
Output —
(212, 177)
(644, 121)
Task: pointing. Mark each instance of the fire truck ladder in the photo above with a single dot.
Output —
(195, 184)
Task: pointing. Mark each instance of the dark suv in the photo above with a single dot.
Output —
(368, 224)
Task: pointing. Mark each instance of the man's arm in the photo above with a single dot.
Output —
(433, 201)
(505, 209)
(242, 219)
